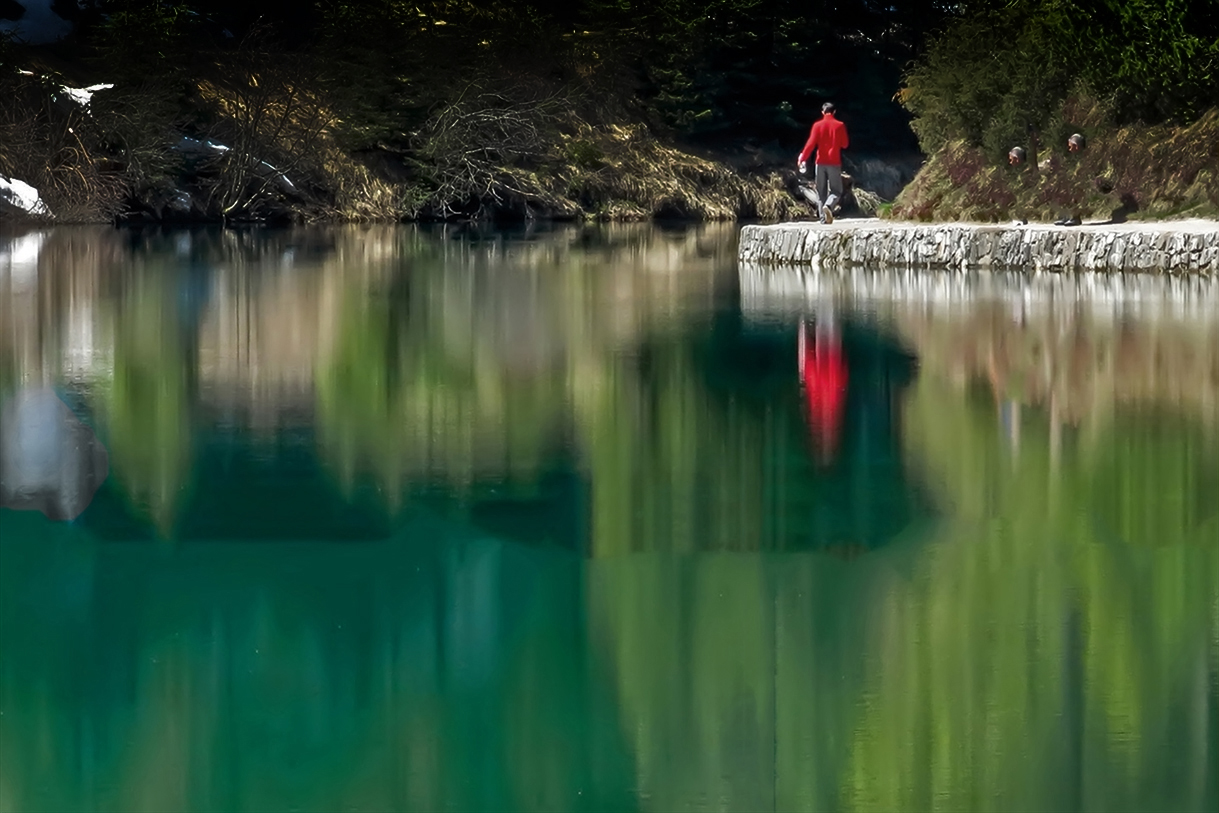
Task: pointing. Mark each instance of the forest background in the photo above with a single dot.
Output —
(615, 109)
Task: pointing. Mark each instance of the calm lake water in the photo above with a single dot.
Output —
(374, 519)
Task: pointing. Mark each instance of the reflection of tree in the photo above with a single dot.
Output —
(737, 677)
(672, 467)
(1027, 658)
(1038, 660)
(493, 386)
(146, 404)
(401, 398)
(1151, 480)
(463, 373)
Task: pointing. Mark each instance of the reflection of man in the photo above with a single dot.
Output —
(823, 373)
(828, 139)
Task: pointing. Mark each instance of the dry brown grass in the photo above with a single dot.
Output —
(273, 117)
(635, 175)
(527, 152)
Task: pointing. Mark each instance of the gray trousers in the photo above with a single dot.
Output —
(828, 179)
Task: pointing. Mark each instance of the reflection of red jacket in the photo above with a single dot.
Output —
(824, 373)
(829, 138)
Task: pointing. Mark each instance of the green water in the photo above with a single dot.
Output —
(411, 519)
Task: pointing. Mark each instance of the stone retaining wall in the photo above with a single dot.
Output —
(1177, 247)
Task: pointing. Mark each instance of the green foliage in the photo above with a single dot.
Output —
(145, 406)
(1159, 59)
(584, 153)
(988, 80)
(999, 73)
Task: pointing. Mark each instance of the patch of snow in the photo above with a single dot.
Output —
(194, 146)
(21, 195)
(281, 180)
(82, 96)
(188, 145)
(39, 25)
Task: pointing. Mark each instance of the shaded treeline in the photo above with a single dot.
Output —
(734, 69)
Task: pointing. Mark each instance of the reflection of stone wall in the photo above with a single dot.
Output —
(1081, 343)
(265, 306)
(1185, 246)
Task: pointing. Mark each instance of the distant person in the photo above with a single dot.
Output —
(828, 138)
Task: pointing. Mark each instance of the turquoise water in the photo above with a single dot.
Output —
(591, 518)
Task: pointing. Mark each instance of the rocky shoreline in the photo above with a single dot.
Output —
(1166, 247)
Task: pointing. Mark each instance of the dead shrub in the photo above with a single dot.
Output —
(50, 142)
(272, 115)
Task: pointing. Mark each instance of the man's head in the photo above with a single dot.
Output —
(1016, 156)
(828, 107)
(1076, 143)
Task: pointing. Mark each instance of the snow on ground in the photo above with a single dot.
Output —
(21, 195)
(82, 96)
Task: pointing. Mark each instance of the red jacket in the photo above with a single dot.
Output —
(829, 139)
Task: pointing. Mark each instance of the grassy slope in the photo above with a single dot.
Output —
(1142, 172)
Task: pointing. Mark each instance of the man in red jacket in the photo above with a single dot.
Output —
(828, 139)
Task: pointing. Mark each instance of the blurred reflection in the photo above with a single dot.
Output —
(1119, 390)
(551, 513)
(49, 460)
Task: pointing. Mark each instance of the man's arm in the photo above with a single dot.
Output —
(809, 146)
(844, 138)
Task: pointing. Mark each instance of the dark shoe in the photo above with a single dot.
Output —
(1071, 221)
